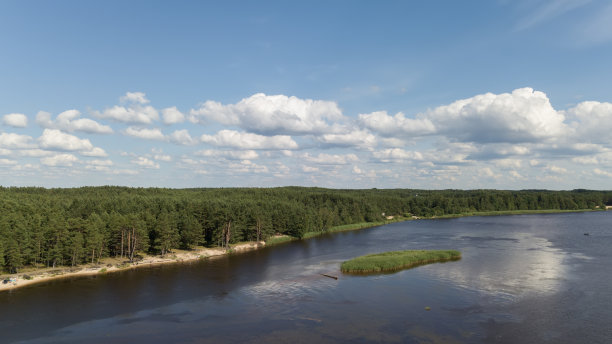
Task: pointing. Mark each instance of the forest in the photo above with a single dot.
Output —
(66, 227)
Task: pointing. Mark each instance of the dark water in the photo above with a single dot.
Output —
(522, 279)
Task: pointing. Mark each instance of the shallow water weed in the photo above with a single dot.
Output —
(397, 260)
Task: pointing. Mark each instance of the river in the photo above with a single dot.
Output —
(522, 279)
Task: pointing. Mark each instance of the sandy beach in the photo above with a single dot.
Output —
(38, 276)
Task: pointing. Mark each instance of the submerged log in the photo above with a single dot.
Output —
(330, 276)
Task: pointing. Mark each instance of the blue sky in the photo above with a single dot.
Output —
(346, 94)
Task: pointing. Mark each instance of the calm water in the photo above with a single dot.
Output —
(522, 279)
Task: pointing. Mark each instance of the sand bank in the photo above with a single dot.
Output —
(38, 276)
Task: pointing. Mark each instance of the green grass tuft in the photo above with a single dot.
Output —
(396, 260)
(279, 239)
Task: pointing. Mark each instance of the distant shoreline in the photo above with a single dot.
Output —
(49, 274)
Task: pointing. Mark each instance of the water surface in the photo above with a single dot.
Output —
(522, 279)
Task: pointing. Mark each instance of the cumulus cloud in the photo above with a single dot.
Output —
(585, 160)
(181, 137)
(277, 114)
(246, 166)
(234, 155)
(134, 97)
(64, 159)
(95, 152)
(309, 169)
(487, 173)
(172, 115)
(241, 140)
(162, 157)
(555, 169)
(330, 159)
(8, 162)
(398, 124)
(34, 152)
(98, 162)
(145, 133)
(146, 163)
(602, 173)
(17, 120)
(593, 121)
(12, 140)
(354, 138)
(508, 163)
(396, 154)
(133, 111)
(69, 121)
(56, 140)
(524, 115)
(53, 139)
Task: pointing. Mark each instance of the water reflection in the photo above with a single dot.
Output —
(508, 266)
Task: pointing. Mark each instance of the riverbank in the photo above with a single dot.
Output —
(109, 265)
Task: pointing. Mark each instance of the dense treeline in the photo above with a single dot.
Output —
(52, 227)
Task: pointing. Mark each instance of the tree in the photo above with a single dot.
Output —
(166, 234)
(13, 259)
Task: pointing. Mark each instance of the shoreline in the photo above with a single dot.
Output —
(49, 274)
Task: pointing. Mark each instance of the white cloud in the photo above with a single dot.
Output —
(98, 162)
(134, 97)
(309, 169)
(8, 162)
(237, 155)
(12, 140)
(277, 114)
(397, 154)
(330, 159)
(17, 120)
(594, 121)
(135, 110)
(181, 137)
(34, 153)
(126, 172)
(56, 140)
(555, 169)
(515, 174)
(146, 163)
(144, 133)
(69, 121)
(356, 138)
(172, 115)
(241, 140)
(386, 125)
(162, 157)
(247, 166)
(508, 163)
(64, 159)
(94, 152)
(487, 173)
(602, 173)
(585, 160)
(524, 115)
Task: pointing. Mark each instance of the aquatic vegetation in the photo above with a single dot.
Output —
(396, 260)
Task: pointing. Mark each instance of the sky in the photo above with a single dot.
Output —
(339, 94)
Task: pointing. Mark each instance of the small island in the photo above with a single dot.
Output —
(397, 260)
